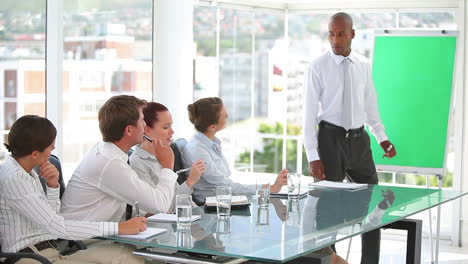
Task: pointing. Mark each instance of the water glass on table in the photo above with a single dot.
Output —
(294, 185)
(263, 220)
(183, 211)
(223, 201)
(263, 191)
(293, 216)
(223, 231)
(184, 238)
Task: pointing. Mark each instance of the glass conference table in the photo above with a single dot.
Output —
(289, 229)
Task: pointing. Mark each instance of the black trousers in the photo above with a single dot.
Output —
(348, 154)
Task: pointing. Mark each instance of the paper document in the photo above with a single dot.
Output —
(235, 200)
(339, 185)
(149, 232)
(283, 193)
(169, 218)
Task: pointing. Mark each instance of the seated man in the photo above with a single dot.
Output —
(104, 183)
(29, 220)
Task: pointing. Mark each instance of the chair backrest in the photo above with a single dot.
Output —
(56, 162)
(130, 152)
(177, 147)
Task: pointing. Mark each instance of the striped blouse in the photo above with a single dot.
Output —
(28, 216)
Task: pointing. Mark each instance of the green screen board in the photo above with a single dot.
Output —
(413, 78)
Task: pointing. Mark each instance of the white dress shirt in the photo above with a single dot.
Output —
(28, 216)
(150, 170)
(217, 172)
(104, 183)
(323, 95)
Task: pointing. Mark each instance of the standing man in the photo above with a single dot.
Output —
(340, 98)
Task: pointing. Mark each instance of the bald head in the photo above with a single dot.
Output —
(342, 17)
(341, 33)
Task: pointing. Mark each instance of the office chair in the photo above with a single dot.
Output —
(56, 162)
(13, 257)
(177, 147)
(129, 207)
(72, 245)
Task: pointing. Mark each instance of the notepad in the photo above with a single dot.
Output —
(339, 185)
(149, 232)
(169, 218)
(236, 200)
(283, 193)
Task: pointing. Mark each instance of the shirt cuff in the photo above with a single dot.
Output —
(109, 229)
(312, 155)
(380, 136)
(52, 193)
(184, 188)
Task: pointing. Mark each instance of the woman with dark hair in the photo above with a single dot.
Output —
(29, 219)
(158, 126)
(209, 116)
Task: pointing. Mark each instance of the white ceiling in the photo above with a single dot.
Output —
(304, 5)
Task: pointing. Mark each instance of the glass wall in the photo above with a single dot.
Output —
(235, 79)
(107, 52)
(269, 92)
(263, 87)
(206, 81)
(253, 59)
(22, 62)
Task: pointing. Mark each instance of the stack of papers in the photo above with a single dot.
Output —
(169, 218)
(149, 232)
(236, 200)
(339, 185)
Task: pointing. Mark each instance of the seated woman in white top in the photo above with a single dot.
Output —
(143, 160)
(209, 117)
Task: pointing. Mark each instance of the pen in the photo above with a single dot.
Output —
(387, 150)
(137, 209)
(147, 138)
(182, 170)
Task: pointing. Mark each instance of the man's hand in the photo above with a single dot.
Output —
(164, 154)
(281, 180)
(132, 226)
(198, 168)
(388, 148)
(317, 169)
(50, 174)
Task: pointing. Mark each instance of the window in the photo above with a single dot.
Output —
(107, 52)
(270, 93)
(261, 74)
(235, 80)
(308, 39)
(442, 20)
(22, 62)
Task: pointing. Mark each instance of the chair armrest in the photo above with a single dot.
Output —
(17, 256)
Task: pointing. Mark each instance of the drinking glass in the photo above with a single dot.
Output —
(183, 211)
(223, 201)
